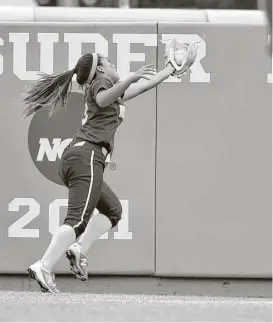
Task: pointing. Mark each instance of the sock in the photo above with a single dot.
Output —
(61, 240)
(97, 226)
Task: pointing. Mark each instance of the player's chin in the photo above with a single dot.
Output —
(117, 78)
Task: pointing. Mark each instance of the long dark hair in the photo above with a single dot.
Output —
(52, 91)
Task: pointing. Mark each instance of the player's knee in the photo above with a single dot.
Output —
(115, 215)
(78, 227)
(118, 213)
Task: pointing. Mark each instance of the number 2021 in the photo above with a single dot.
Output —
(18, 230)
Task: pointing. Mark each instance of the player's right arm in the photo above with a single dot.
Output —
(106, 95)
(139, 88)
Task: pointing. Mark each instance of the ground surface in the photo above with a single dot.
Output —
(35, 306)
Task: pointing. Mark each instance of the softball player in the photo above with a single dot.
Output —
(83, 161)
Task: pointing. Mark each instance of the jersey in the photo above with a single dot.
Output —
(99, 125)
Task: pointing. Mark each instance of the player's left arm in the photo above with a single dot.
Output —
(137, 89)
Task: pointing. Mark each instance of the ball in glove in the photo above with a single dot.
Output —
(181, 55)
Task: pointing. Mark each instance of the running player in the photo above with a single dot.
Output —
(83, 161)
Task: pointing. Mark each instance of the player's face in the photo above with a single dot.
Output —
(110, 70)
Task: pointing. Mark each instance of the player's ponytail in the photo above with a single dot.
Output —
(49, 91)
(52, 91)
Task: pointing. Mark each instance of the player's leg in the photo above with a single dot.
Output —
(110, 211)
(83, 174)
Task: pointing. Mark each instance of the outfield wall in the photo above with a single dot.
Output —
(192, 164)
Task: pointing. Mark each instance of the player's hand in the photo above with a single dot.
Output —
(145, 72)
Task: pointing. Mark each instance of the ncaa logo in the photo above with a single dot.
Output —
(48, 137)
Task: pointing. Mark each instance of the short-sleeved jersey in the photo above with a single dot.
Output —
(99, 125)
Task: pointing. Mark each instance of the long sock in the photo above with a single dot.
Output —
(97, 226)
(61, 240)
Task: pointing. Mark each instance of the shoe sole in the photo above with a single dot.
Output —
(33, 275)
(73, 265)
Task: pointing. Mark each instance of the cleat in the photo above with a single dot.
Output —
(44, 277)
(78, 261)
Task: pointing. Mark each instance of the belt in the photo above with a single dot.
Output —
(103, 149)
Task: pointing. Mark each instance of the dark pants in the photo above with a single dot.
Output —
(81, 169)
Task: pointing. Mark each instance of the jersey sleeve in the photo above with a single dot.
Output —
(100, 84)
